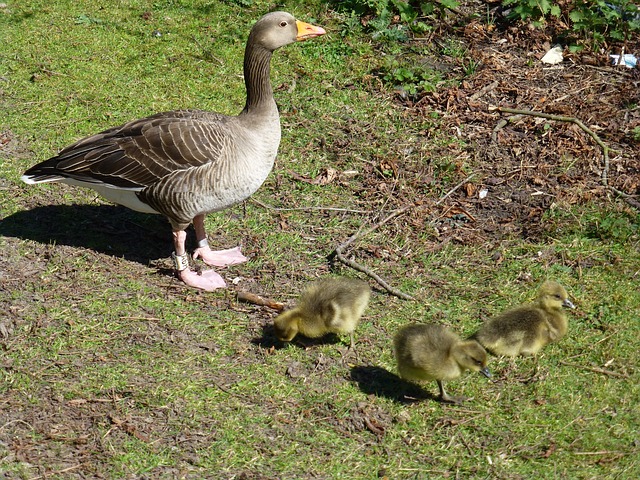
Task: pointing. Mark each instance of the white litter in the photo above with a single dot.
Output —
(628, 60)
(553, 56)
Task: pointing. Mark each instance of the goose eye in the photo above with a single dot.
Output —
(283, 23)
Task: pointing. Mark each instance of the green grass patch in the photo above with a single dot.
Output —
(110, 368)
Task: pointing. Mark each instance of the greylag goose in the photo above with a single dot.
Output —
(332, 305)
(526, 329)
(184, 164)
(432, 352)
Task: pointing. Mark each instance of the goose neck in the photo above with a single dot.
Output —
(257, 61)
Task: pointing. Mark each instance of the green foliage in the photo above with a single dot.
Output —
(383, 29)
(412, 78)
(392, 19)
(610, 226)
(597, 20)
(391, 23)
(242, 3)
(534, 10)
(613, 227)
(602, 20)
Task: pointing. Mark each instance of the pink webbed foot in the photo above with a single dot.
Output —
(206, 280)
(219, 258)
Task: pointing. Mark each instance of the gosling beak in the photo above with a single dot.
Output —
(306, 30)
(568, 303)
(485, 371)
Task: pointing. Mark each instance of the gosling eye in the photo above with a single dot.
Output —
(283, 23)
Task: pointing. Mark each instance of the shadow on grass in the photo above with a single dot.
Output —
(269, 340)
(108, 229)
(383, 383)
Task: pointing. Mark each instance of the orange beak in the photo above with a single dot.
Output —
(306, 30)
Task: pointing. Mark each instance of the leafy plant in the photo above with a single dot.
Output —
(383, 29)
(393, 16)
(242, 3)
(597, 20)
(410, 78)
(614, 227)
(602, 20)
(534, 10)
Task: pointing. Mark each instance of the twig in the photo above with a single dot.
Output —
(338, 253)
(446, 195)
(361, 268)
(249, 297)
(595, 370)
(447, 7)
(308, 209)
(605, 148)
(562, 118)
(57, 472)
(358, 234)
(16, 421)
(484, 90)
(601, 452)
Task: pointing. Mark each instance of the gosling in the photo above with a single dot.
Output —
(332, 305)
(526, 329)
(432, 352)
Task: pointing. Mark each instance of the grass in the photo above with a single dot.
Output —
(110, 369)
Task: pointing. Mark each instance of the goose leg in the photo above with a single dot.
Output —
(220, 258)
(206, 280)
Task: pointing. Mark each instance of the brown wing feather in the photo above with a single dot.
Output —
(140, 153)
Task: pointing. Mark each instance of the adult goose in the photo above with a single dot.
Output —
(186, 163)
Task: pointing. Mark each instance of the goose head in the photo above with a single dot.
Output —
(277, 29)
(553, 296)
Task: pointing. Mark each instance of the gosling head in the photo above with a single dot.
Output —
(470, 355)
(553, 296)
(286, 325)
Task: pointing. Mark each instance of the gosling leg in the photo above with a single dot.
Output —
(445, 397)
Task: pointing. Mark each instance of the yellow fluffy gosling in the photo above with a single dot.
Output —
(331, 305)
(526, 329)
(432, 352)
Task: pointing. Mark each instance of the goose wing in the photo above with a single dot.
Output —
(140, 153)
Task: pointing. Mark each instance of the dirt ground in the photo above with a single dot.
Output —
(524, 163)
(522, 167)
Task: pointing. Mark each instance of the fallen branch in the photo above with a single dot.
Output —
(602, 452)
(446, 195)
(338, 253)
(561, 118)
(595, 370)
(58, 472)
(249, 297)
(308, 209)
